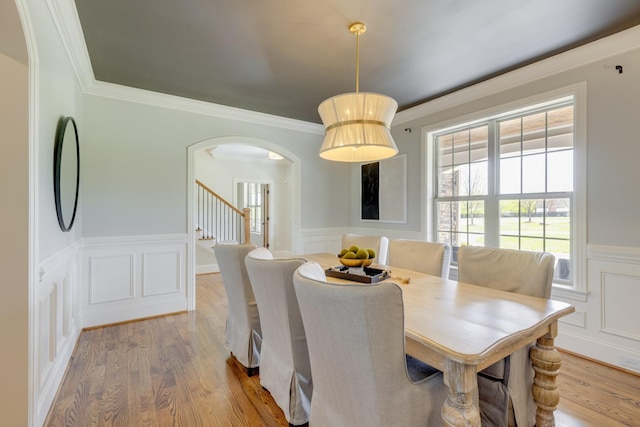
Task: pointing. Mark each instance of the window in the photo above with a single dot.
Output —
(507, 180)
(253, 197)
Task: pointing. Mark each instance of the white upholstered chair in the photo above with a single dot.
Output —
(425, 257)
(505, 387)
(284, 359)
(378, 243)
(243, 335)
(361, 376)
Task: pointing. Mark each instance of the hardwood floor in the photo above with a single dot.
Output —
(176, 371)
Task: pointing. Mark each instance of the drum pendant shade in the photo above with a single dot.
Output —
(357, 123)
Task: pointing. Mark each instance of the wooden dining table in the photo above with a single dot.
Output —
(461, 329)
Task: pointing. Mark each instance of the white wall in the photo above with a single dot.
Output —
(136, 160)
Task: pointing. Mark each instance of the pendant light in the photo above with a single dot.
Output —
(357, 123)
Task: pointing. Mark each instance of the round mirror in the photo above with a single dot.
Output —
(66, 172)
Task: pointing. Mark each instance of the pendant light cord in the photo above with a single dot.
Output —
(357, 61)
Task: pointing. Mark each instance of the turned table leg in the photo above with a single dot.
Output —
(458, 410)
(546, 364)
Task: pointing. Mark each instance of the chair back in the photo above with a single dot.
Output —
(505, 387)
(425, 257)
(355, 335)
(378, 243)
(243, 334)
(523, 272)
(284, 360)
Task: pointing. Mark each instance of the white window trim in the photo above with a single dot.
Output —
(578, 290)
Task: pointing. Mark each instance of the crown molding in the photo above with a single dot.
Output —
(147, 97)
(67, 22)
(615, 44)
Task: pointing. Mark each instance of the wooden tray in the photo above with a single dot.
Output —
(371, 275)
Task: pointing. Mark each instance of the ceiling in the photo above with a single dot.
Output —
(284, 57)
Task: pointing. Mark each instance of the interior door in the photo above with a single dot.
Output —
(255, 196)
(265, 215)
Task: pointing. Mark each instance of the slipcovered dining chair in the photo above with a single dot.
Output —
(378, 243)
(425, 257)
(361, 376)
(243, 335)
(284, 359)
(505, 388)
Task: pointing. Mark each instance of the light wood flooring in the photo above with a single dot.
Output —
(176, 371)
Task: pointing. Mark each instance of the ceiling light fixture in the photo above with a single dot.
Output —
(357, 123)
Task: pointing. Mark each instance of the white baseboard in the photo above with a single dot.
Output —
(208, 268)
(110, 315)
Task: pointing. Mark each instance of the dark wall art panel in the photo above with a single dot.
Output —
(370, 191)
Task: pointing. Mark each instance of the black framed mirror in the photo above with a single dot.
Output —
(66, 172)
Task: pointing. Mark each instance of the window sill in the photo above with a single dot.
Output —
(563, 292)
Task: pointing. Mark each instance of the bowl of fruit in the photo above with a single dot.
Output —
(356, 257)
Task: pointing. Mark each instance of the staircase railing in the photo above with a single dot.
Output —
(218, 219)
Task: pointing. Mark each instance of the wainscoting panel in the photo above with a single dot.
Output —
(111, 278)
(57, 326)
(161, 273)
(133, 277)
(620, 294)
(606, 325)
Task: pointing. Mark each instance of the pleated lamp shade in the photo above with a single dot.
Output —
(357, 127)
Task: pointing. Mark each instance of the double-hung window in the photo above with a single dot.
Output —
(507, 181)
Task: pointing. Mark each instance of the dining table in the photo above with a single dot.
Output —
(460, 329)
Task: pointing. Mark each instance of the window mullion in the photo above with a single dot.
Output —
(491, 207)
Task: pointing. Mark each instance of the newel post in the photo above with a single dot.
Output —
(247, 227)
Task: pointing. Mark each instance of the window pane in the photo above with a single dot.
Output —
(509, 218)
(510, 137)
(444, 144)
(461, 147)
(460, 216)
(460, 239)
(534, 133)
(446, 182)
(509, 242)
(531, 213)
(560, 171)
(559, 142)
(510, 176)
(531, 244)
(560, 128)
(476, 239)
(443, 217)
(479, 143)
(460, 180)
(533, 173)
(477, 185)
(558, 218)
(474, 216)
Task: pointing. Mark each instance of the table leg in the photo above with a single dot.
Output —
(546, 364)
(458, 410)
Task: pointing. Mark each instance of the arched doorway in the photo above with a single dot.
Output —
(293, 189)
